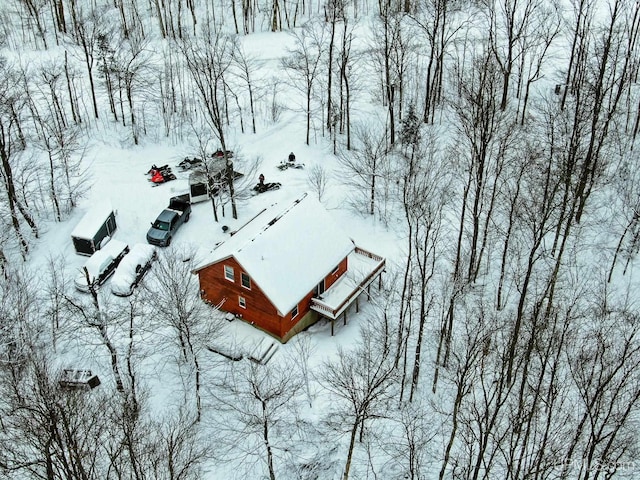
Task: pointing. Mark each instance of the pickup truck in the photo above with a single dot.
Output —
(169, 221)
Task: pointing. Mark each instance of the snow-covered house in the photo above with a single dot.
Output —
(285, 267)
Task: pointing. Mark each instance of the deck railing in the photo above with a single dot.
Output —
(371, 255)
(317, 304)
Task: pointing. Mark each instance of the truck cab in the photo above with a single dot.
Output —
(169, 221)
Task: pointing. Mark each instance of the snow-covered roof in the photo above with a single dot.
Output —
(287, 250)
(92, 220)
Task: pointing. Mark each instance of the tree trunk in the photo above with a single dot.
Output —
(10, 190)
(331, 5)
(352, 442)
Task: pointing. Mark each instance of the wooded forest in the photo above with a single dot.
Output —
(497, 138)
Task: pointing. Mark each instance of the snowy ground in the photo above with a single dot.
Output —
(118, 175)
(117, 171)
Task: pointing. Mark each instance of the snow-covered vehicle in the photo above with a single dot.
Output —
(132, 268)
(101, 265)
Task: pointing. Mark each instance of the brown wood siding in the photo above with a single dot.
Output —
(332, 277)
(217, 289)
(304, 306)
(260, 311)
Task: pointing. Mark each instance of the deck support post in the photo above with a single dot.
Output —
(332, 327)
(357, 305)
(380, 281)
(345, 317)
(369, 292)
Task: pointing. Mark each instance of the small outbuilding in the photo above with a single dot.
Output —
(286, 267)
(98, 223)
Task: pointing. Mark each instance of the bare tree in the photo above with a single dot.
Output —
(596, 83)
(488, 139)
(303, 64)
(627, 200)
(333, 11)
(318, 179)
(509, 21)
(347, 63)
(535, 51)
(367, 165)
(361, 381)
(409, 440)
(95, 315)
(173, 299)
(33, 9)
(57, 137)
(437, 19)
(392, 50)
(258, 406)
(246, 67)
(304, 349)
(86, 30)
(124, 65)
(12, 143)
(208, 58)
(472, 359)
(604, 359)
(424, 196)
(181, 447)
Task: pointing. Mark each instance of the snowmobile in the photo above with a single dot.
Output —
(189, 163)
(265, 187)
(284, 164)
(220, 154)
(154, 168)
(161, 175)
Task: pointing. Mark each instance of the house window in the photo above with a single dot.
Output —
(294, 312)
(246, 281)
(319, 288)
(228, 273)
(335, 270)
(242, 302)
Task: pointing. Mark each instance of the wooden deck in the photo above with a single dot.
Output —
(363, 268)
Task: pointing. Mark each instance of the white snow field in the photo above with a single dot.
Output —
(504, 342)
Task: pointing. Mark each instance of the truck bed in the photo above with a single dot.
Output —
(180, 203)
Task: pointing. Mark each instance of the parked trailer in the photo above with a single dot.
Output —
(97, 224)
(201, 184)
(198, 191)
